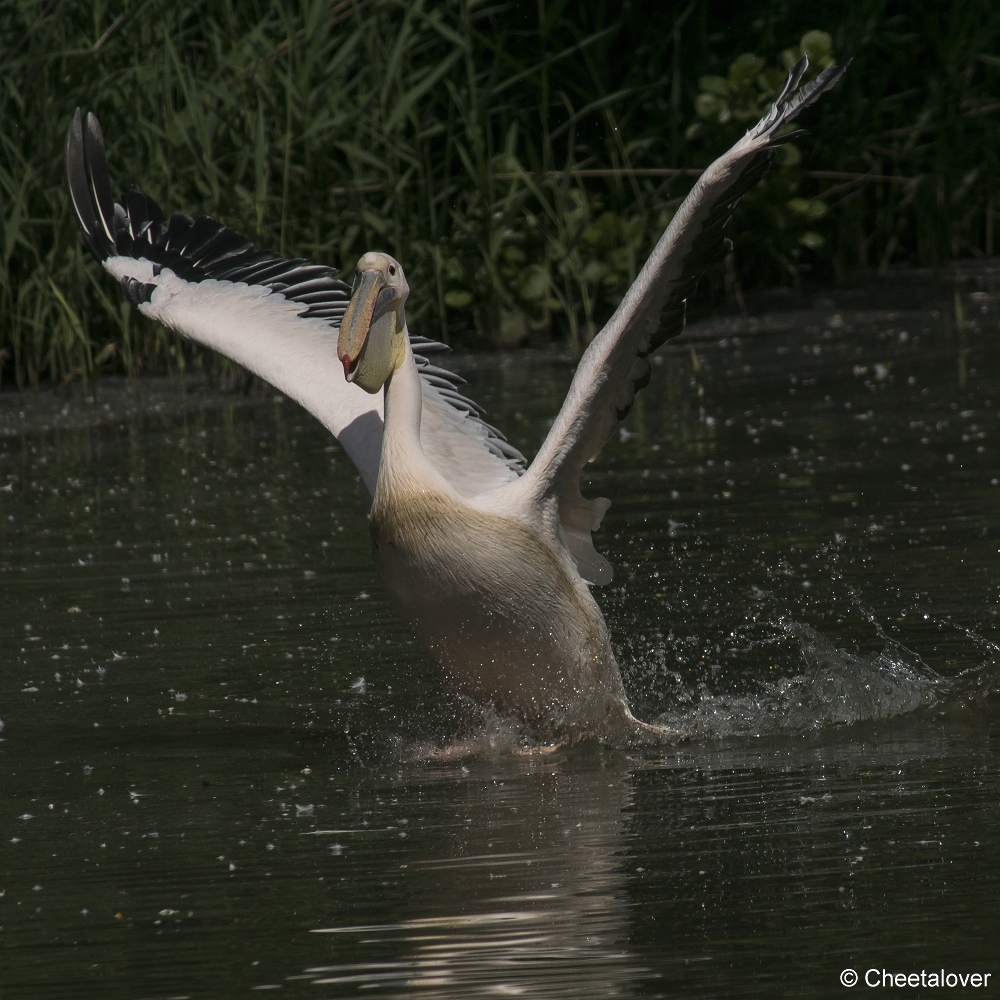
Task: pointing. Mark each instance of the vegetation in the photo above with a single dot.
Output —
(520, 159)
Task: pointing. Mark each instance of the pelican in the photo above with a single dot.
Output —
(489, 558)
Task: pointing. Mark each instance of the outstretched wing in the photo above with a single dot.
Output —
(278, 318)
(471, 454)
(614, 366)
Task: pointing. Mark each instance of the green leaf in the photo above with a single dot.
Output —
(809, 209)
(534, 283)
(714, 85)
(818, 45)
(457, 298)
(771, 80)
(744, 69)
(106, 353)
(709, 106)
(789, 57)
(788, 155)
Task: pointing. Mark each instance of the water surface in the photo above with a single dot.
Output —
(211, 714)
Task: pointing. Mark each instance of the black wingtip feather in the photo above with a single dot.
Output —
(97, 175)
(144, 215)
(794, 98)
(78, 181)
(811, 92)
(795, 74)
(200, 249)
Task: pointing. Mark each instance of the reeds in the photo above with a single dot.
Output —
(512, 157)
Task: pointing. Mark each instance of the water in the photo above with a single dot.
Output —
(210, 774)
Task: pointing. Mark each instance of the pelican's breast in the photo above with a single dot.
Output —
(498, 608)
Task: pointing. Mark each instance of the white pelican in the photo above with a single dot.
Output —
(488, 558)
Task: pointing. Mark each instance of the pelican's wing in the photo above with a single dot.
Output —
(276, 317)
(614, 366)
(471, 454)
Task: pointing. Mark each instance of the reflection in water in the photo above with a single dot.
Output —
(526, 898)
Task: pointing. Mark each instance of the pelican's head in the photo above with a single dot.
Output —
(372, 340)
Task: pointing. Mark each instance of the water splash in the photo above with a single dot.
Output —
(496, 737)
(835, 687)
(831, 687)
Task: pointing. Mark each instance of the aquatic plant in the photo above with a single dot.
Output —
(508, 154)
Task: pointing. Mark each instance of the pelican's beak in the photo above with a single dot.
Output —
(365, 345)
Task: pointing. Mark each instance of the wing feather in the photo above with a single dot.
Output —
(278, 318)
(470, 453)
(614, 368)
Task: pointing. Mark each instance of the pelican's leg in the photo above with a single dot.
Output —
(625, 728)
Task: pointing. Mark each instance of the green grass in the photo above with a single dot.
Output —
(511, 156)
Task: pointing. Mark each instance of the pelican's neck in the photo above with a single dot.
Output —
(403, 406)
(403, 465)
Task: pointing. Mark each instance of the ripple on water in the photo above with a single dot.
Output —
(211, 711)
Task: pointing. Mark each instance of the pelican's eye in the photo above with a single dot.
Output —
(392, 268)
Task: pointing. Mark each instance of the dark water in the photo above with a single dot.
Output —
(207, 776)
